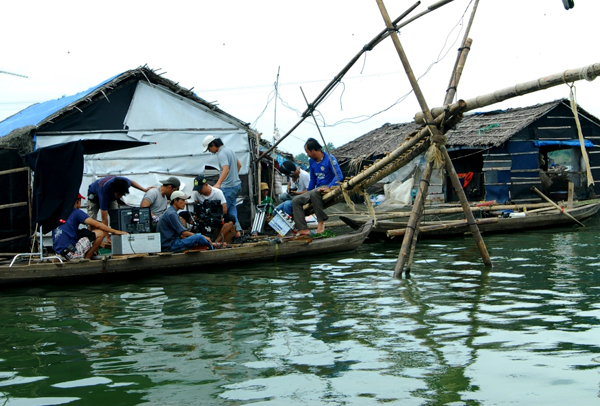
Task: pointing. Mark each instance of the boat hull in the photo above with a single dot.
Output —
(504, 225)
(190, 261)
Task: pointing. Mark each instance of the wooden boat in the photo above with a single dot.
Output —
(263, 250)
(528, 220)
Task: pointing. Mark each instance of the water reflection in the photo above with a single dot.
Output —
(337, 331)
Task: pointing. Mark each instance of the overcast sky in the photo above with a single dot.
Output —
(230, 51)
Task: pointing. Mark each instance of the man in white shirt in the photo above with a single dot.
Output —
(297, 185)
(203, 192)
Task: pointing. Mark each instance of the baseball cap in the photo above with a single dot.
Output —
(199, 181)
(264, 186)
(171, 181)
(80, 196)
(178, 194)
(207, 140)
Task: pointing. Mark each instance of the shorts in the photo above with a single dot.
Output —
(82, 246)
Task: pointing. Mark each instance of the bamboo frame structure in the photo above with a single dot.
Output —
(459, 64)
(438, 138)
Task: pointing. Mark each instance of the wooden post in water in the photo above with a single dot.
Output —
(438, 138)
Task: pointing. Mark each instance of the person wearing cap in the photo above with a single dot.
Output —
(298, 180)
(297, 185)
(103, 195)
(202, 192)
(325, 173)
(229, 180)
(157, 199)
(70, 242)
(266, 199)
(174, 237)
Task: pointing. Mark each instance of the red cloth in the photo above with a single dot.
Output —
(465, 178)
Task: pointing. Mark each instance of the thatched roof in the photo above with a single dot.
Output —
(479, 130)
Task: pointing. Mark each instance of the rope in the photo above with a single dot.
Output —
(369, 206)
(349, 202)
(434, 155)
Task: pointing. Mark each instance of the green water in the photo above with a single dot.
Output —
(322, 331)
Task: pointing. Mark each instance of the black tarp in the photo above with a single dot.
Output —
(58, 171)
(14, 221)
(104, 113)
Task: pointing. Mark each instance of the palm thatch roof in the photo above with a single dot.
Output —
(477, 130)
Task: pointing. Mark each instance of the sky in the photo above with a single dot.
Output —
(230, 53)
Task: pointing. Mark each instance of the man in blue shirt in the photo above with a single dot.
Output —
(173, 235)
(229, 180)
(103, 195)
(70, 242)
(325, 173)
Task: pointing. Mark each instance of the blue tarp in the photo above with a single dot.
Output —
(35, 114)
(569, 143)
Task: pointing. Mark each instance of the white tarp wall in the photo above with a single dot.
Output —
(177, 127)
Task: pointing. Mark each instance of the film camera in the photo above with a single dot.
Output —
(207, 217)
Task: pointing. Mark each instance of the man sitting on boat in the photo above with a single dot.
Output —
(297, 185)
(103, 195)
(204, 194)
(158, 199)
(174, 237)
(325, 173)
(70, 242)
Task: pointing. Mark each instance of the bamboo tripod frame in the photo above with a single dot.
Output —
(437, 137)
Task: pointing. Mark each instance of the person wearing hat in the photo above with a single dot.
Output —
(202, 192)
(103, 195)
(157, 199)
(70, 242)
(229, 180)
(266, 199)
(174, 237)
(297, 185)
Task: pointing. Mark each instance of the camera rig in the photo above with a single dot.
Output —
(206, 217)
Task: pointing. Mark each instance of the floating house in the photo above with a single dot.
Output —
(142, 105)
(499, 154)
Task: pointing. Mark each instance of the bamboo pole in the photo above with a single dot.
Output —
(433, 129)
(589, 73)
(437, 136)
(459, 64)
(536, 190)
(9, 171)
(374, 42)
(435, 227)
(11, 205)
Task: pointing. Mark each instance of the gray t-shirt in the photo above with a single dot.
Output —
(158, 202)
(227, 157)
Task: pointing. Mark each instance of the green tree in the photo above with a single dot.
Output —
(330, 146)
(301, 158)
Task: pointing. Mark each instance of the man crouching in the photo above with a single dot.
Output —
(70, 242)
(173, 235)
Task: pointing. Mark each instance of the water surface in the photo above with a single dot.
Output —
(335, 330)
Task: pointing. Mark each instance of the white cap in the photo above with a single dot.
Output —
(179, 194)
(207, 140)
